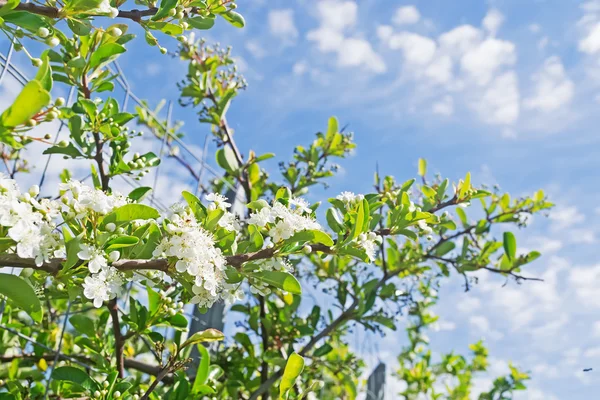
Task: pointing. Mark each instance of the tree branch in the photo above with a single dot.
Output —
(53, 12)
(119, 339)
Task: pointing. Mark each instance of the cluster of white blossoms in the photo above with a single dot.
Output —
(30, 222)
(349, 199)
(82, 199)
(228, 220)
(369, 242)
(283, 222)
(196, 254)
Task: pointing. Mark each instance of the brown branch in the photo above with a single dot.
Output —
(119, 339)
(53, 12)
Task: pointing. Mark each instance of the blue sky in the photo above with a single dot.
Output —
(505, 89)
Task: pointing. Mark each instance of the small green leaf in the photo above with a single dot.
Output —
(281, 280)
(153, 300)
(203, 367)
(510, 245)
(444, 248)
(139, 193)
(201, 22)
(312, 236)
(465, 187)
(226, 160)
(293, 369)
(163, 10)
(29, 102)
(83, 324)
(234, 19)
(121, 242)
(323, 350)
(22, 295)
(105, 54)
(422, 167)
(206, 336)
(130, 212)
(75, 375)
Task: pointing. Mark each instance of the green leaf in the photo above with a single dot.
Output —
(8, 6)
(121, 242)
(332, 129)
(29, 102)
(69, 150)
(75, 375)
(293, 369)
(139, 193)
(87, 7)
(201, 22)
(444, 248)
(510, 245)
(226, 159)
(130, 212)
(464, 188)
(203, 368)
(83, 324)
(361, 217)
(163, 10)
(234, 19)
(333, 220)
(22, 295)
(206, 336)
(311, 236)
(105, 54)
(153, 300)
(44, 73)
(281, 280)
(422, 167)
(27, 20)
(323, 350)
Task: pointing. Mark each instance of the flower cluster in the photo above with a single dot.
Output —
(30, 222)
(349, 199)
(84, 199)
(283, 222)
(196, 254)
(369, 242)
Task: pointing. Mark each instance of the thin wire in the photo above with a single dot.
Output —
(43, 346)
(162, 147)
(59, 130)
(202, 164)
(60, 342)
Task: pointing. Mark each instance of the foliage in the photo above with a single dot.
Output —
(101, 273)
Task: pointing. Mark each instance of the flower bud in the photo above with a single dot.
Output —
(114, 13)
(36, 62)
(47, 136)
(105, 384)
(307, 249)
(97, 394)
(184, 25)
(117, 394)
(116, 32)
(172, 12)
(114, 256)
(43, 32)
(53, 42)
(60, 101)
(135, 397)
(180, 304)
(60, 287)
(31, 123)
(34, 190)
(63, 143)
(362, 236)
(110, 227)
(163, 50)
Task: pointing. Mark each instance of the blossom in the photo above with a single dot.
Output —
(423, 225)
(217, 201)
(281, 231)
(300, 205)
(369, 242)
(349, 198)
(229, 222)
(96, 289)
(96, 258)
(262, 217)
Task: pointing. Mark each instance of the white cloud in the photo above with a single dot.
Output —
(335, 18)
(596, 329)
(565, 217)
(406, 15)
(418, 50)
(300, 68)
(482, 324)
(384, 32)
(499, 103)
(460, 39)
(255, 49)
(534, 28)
(483, 61)
(553, 88)
(590, 43)
(444, 107)
(468, 304)
(281, 24)
(585, 283)
(493, 21)
(593, 352)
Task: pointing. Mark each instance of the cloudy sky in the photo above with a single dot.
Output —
(505, 89)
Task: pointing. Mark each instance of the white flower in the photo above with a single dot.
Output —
(349, 198)
(281, 231)
(229, 222)
(423, 225)
(262, 217)
(218, 201)
(96, 259)
(96, 289)
(300, 205)
(369, 244)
